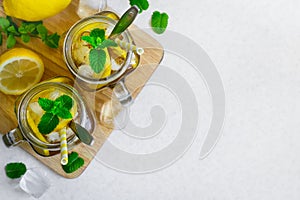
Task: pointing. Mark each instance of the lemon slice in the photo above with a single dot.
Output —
(33, 10)
(20, 69)
(37, 134)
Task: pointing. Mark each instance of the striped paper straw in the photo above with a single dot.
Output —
(63, 146)
(128, 46)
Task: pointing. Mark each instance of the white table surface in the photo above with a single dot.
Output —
(255, 46)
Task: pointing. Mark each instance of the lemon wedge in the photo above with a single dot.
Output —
(20, 69)
(33, 10)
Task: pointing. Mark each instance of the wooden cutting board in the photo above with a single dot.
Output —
(55, 66)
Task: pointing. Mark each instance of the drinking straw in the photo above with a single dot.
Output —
(128, 46)
(63, 146)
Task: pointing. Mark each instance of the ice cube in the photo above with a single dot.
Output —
(34, 182)
(114, 65)
(36, 108)
(86, 71)
(54, 95)
(53, 137)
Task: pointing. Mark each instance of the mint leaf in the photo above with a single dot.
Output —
(25, 38)
(41, 29)
(4, 23)
(11, 41)
(52, 40)
(46, 104)
(22, 29)
(89, 40)
(12, 29)
(64, 101)
(15, 170)
(97, 32)
(74, 163)
(108, 43)
(64, 113)
(1, 39)
(97, 59)
(159, 22)
(141, 4)
(30, 27)
(26, 28)
(48, 123)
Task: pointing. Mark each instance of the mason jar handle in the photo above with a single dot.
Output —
(13, 137)
(122, 93)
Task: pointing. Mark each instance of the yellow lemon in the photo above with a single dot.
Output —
(20, 69)
(34, 10)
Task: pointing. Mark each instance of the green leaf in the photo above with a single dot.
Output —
(159, 22)
(64, 101)
(52, 40)
(64, 113)
(74, 163)
(25, 38)
(97, 32)
(1, 38)
(141, 4)
(48, 123)
(41, 29)
(89, 40)
(11, 41)
(46, 104)
(4, 23)
(12, 29)
(30, 27)
(22, 29)
(108, 43)
(15, 170)
(97, 59)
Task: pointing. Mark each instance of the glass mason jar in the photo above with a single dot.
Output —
(27, 131)
(75, 52)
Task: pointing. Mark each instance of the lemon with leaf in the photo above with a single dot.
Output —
(33, 10)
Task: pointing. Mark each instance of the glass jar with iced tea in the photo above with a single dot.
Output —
(119, 61)
(30, 112)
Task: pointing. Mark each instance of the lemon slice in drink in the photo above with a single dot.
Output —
(20, 69)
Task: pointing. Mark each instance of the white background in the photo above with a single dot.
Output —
(255, 46)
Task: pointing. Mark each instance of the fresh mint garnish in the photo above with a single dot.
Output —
(97, 59)
(15, 170)
(159, 22)
(141, 4)
(98, 42)
(64, 101)
(60, 107)
(48, 123)
(46, 104)
(64, 113)
(26, 31)
(74, 163)
(108, 43)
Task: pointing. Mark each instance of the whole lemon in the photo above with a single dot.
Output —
(34, 10)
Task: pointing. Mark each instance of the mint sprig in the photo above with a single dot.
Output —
(141, 4)
(59, 108)
(159, 21)
(15, 170)
(98, 43)
(74, 163)
(26, 31)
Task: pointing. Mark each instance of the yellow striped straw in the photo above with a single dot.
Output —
(128, 46)
(63, 146)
